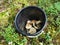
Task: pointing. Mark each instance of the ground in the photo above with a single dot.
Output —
(8, 11)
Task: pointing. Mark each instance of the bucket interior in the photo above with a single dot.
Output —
(30, 13)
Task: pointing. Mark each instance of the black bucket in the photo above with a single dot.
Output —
(30, 12)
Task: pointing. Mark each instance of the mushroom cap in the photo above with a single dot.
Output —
(32, 30)
(28, 26)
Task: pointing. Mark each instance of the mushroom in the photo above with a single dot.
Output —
(32, 30)
(37, 22)
(34, 22)
(32, 26)
(28, 21)
(28, 25)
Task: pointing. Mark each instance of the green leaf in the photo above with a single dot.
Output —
(21, 44)
(57, 6)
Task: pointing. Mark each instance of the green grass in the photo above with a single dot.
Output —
(7, 29)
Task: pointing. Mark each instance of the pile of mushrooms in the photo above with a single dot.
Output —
(32, 26)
